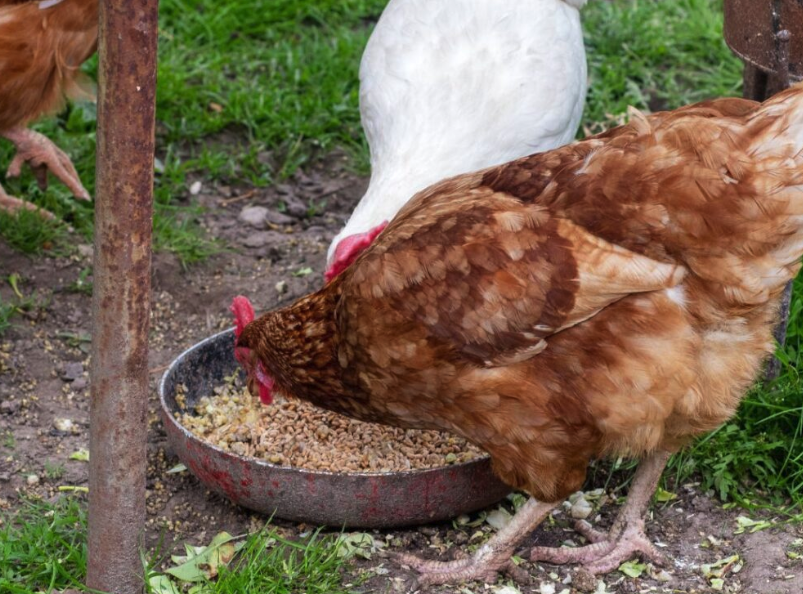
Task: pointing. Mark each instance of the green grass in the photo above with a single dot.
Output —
(6, 313)
(271, 565)
(42, 547)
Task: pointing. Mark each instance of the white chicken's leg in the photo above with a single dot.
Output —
(12, 204)
(491, 558)
(625, 538)
(40, 152)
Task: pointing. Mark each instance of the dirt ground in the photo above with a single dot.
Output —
(44, 404)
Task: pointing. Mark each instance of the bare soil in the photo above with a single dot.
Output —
(44, 384)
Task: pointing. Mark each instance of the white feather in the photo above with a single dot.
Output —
(452, 86)
(45, 4)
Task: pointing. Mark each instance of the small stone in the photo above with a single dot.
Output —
(278, 218)
(253, 216)
(546, 588)
(584, 580)
(195, 188)
(86, 250)
(581, 509)
(63, 425)
(295, 207)
(262, 238)
(281, 287)
(4, 477)
(79, 384)
(72, 371)
(32, 479)
(9, 407)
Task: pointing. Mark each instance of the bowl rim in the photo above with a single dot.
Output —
(189, 435)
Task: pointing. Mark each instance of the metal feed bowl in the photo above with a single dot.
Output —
(367, 500)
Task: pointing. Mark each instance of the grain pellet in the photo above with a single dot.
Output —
(297, 434)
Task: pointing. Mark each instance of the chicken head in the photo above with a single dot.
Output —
(258, 378)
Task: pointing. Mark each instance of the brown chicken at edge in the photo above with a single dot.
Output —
(611, 297)
(42, 46)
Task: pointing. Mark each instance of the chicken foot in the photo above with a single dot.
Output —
(12, 204)
(43, 155)
(625, 538)
(490, 559)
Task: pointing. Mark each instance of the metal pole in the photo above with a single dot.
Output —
(121, 299)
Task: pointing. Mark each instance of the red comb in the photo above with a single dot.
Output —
(351, 247)
(243, 313)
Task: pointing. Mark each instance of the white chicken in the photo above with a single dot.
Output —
(450, 86)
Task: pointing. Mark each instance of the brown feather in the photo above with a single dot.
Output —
(41, 51)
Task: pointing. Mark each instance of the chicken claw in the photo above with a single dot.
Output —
(12, 204)
(490, 559)
(626, 536)
(42, 155)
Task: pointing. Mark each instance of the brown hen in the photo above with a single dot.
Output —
(42, 46)
(614, 297)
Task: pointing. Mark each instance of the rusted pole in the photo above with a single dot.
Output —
(121, 299)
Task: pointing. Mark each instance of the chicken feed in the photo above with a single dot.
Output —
(298, 434)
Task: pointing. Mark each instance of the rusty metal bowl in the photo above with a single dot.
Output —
(367, 500)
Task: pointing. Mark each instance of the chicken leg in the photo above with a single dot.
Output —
(491, 558)
(40, 152)
(12, 204)
(625, 537)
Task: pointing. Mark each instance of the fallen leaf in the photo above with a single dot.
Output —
(498, 518)
(71, 488)
(717, 584)
(632, 568)
(176, 469)
(754, 525)
(358, 544)
(546, 588)
(161, 584)
(204, 563)
(216, 107)
(81, 455)
(660, 575)
(517, 499)
(303, 272)
(602, 588)
(506, 590)
(719, 568)
(662, 496)
(478, 522)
